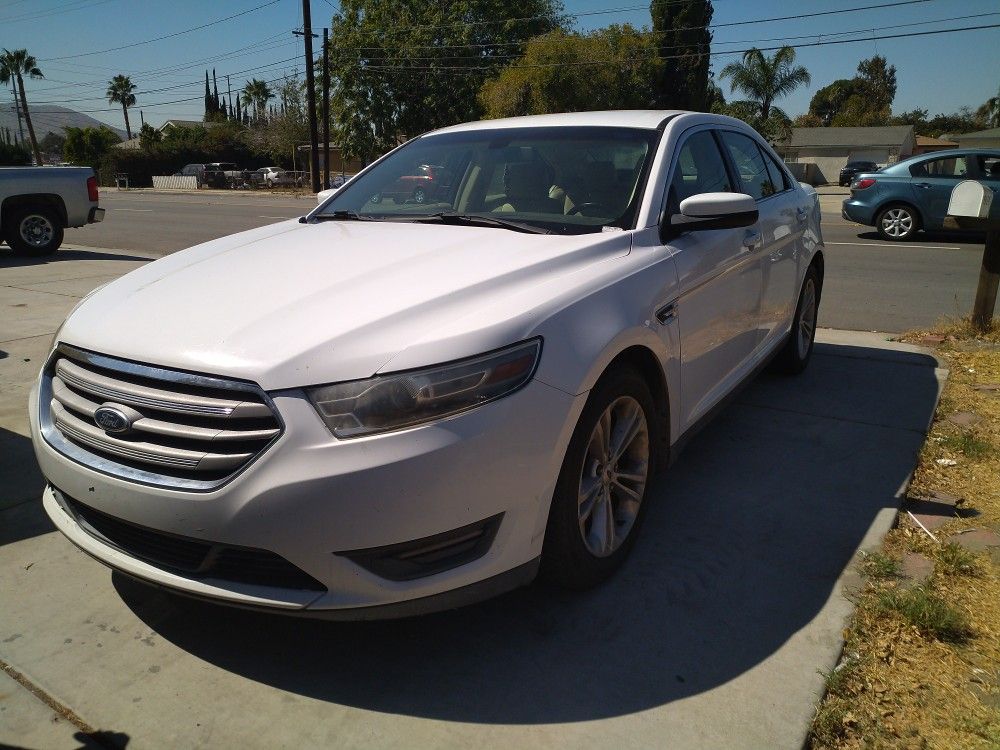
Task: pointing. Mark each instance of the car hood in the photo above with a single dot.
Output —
(295, 304)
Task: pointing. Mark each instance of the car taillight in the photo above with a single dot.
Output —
(865, 182)
(92, 189)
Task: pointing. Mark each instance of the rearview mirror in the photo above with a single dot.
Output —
(712, 211)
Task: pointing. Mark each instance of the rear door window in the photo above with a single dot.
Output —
(954, 167)
(989, 166)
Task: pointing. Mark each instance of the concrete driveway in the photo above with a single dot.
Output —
(713, 634)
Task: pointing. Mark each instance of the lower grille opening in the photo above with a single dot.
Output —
(430, 555)
(192, 558)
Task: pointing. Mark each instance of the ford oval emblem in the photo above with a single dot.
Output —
(110, 419)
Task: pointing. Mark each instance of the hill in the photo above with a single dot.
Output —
(50, 118)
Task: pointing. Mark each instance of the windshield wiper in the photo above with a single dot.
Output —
(341, 216)
(473, 220)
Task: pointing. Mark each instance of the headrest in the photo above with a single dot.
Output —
(602, 171)
(527, 178)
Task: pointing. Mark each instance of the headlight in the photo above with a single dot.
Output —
(403, 399)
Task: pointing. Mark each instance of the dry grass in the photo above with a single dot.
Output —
(921, 667)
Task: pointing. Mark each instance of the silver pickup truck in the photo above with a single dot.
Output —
(38, 203)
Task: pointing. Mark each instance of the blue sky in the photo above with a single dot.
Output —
(938, 72)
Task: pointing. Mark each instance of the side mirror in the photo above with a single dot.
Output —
(322, 195)
(712, 211)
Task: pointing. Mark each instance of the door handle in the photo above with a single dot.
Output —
(752, 240)
(923, 185)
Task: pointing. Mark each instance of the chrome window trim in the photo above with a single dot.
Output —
(102, 465)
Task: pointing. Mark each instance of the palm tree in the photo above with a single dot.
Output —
(763, 79)
(13, 67)
(256, 94)
(120, 91)
(990, 111)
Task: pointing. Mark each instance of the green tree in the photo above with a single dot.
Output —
(556, 74)
(149, 137)
(86, 146)
(763, 80)
(121, 91)
(256, 94)
(828, 101)
(990, 111)
(14, 66)
(14, 155)
(684, 41)
(52, 143)
(426, 73)
(870, 103)
(808, 120)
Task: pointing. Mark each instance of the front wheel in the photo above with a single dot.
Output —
(599, 501)
(34, 232)
(898, 222)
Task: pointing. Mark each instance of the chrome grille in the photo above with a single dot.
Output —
(186, 430)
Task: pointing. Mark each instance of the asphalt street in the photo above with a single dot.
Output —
(871, 285)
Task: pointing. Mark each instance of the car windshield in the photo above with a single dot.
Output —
(564, 180)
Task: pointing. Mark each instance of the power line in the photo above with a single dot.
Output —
(33, 15)
(620, 61)
(662, 48)
(167, 36)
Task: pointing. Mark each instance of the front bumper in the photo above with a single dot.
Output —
(311, 497)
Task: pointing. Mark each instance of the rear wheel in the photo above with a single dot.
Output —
(897, 222)
(795, 355)
(600, 495)
(34, 231)
(419, 195)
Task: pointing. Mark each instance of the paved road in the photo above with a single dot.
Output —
(871, 284)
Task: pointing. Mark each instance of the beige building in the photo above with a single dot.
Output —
(829, 149)
(980, 139)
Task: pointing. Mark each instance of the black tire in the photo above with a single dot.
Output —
(566, 559)
(34, 231)
(897, 222)
(795, 355)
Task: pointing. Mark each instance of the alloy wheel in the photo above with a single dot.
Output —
(807, 318)
(897, 222)
(613, 480)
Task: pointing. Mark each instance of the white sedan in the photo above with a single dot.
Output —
(386, 408)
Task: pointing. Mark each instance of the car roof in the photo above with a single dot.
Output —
(648, 119)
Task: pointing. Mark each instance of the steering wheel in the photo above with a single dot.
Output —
(581, 207)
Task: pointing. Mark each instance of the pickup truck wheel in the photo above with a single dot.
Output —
(34, 231)
(600, 496)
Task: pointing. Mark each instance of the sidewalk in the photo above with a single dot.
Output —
(711, 636)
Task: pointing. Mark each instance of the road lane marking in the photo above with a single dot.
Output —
(894, 244)
(137, 210)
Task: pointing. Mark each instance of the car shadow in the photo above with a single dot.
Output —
(21, 513)
(744, 542)
(9, 260)
(931, 238)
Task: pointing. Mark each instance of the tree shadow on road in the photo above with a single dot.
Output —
(744, 542)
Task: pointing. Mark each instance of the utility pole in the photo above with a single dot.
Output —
(307, 36)
(326, 108)
(229, 95)
(142, 120)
